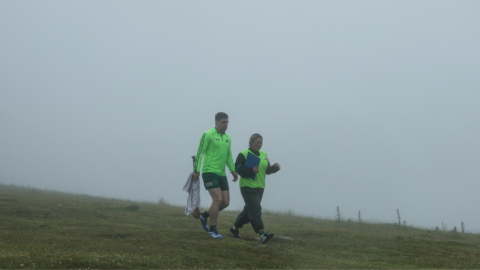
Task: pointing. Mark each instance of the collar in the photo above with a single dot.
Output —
(257, 153)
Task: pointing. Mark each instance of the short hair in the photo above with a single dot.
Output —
(220, 115)
(253, 138)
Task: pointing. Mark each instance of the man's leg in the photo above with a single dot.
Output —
(218, 188)
(220, 199)
(224, 203)
(216, 194)
(196, 213)
(225, 199)
(210, 181)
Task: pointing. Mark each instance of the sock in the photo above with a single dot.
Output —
(213, 227)
(205, 215)
(261, 232)
(233, 227)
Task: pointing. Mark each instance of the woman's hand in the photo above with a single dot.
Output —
(255, 170)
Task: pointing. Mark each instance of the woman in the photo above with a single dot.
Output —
(252, 165)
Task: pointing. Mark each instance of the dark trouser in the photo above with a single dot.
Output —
(252, 212)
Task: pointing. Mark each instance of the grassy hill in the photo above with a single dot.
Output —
(48, 229)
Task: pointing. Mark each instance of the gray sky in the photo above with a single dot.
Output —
(371, 106)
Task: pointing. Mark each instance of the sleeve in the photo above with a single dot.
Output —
(271, 169)
(230, 166)
(202, 146)
(240, 166)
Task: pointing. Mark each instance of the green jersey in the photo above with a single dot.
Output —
(263, 168)
(216, 150)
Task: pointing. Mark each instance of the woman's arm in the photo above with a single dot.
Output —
(273, 169)
(240, 167)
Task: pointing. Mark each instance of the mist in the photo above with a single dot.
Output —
(370, 106)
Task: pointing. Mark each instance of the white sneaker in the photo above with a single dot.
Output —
(215, 234)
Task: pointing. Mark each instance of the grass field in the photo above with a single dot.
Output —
(47, 229)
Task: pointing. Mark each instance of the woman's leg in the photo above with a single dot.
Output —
(242, 218)
(252, 198)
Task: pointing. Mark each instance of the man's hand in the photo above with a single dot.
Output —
(235, 176)
(278, 166)
(255, 170)
(195, 176)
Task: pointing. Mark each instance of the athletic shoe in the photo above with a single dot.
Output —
(235, 232)
(204, 223)
(215, 234)
(265, 237)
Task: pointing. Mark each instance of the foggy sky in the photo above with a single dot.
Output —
(371, 106)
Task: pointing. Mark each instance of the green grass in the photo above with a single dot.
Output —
(48, 229)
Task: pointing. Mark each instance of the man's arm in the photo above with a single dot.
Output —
(202, 147)
(230, 165)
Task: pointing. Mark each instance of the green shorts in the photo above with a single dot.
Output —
(213, 180)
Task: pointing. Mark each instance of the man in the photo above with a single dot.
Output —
(215, 146)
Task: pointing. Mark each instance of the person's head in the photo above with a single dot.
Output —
(221, 122)
(256, 142)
